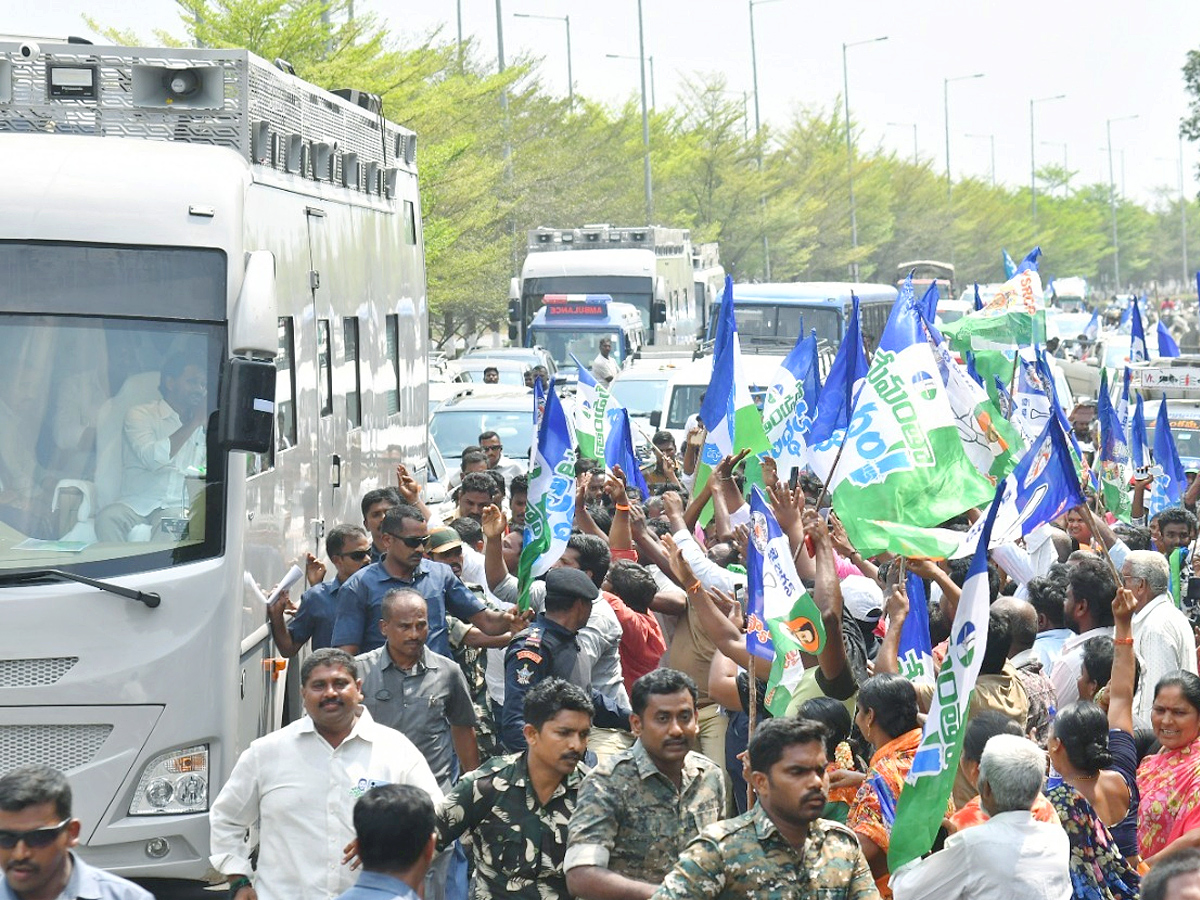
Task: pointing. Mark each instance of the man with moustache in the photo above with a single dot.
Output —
(299, 784)
(782, 847)
(516, 808)
(639, 809)
(37, 833)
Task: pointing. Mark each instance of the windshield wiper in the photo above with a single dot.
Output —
(151, 600)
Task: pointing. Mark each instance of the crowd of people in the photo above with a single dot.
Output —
(611, 741)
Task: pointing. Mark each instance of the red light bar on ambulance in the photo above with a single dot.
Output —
(592, 305)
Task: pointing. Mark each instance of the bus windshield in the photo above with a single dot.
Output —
(779, 324)
(106, 465)
(584, 344)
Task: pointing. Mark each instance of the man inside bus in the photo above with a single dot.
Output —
(163, 446)
(405, 535)
(604, 367)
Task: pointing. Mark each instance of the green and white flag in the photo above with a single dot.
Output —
(989, 440)
(1014, 317)
(929, 783)
(903, 462)
(551, 510)
(594, 403)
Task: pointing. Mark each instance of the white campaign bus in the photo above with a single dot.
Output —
(190, 234)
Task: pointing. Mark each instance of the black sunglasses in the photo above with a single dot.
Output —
(38, 837)
(357, 555)
(413, 542)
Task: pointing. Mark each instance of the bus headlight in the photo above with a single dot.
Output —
(173, 783)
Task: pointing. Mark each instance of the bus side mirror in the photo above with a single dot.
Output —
(246, 419)
(254, 323)
(659, 314)
(656, 418)
(514, 289)
(513, 332)
(514, 311)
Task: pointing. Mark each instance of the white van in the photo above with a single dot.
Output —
(686, 387)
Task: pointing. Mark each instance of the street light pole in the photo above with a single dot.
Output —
(1032, 155)
(946, 111)
(458, 4)
(762, 199)
(645, 119)
(850, 154)
(1182, 216)
(570, 76)
(991, 138)
(913, 126)
(1112, 200)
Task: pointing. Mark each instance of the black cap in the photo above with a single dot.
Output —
(566, 586)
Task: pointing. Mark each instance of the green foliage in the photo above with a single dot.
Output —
(488, 175)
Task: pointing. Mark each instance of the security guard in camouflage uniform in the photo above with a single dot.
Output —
(781, 848)
(639, 809)
(547, 649)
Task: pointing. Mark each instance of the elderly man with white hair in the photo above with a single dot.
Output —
(1162, 635)
(1011, 855)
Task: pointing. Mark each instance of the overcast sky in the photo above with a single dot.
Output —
(1111, 59)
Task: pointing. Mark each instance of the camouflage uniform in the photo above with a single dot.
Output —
(631, 819)
(747, 859)
(518, 844)
(472, 660)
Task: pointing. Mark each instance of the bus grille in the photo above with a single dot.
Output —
(34, 672)
(62, 747)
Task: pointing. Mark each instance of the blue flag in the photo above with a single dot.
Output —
(1139, 438)
(1010, 267)
(1030, 262)
(1166, 343)
(929, 302)
(1042, 487)
(916, 651)
(618, 451)
(972, 371)
(1004, 398)
(1168, 486)
(1138, 352)
(1092, 331)
(847, 373)
(1123, 403)
(1112, 460)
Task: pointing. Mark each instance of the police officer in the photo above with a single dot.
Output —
(547, 649)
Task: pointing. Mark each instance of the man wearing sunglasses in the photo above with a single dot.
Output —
(349, 549)
(405, 535)
(36, 837)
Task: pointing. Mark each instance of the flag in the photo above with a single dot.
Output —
(978, 299)
(618, 451)
(1015, 316)
(1166, 343)
(1010, 267)
(593, 405)
(1168, 486)
(1030, 262)
(842, 384)
(1032, 397)
(1092, 330)
(928, 785)
(1139, 438)
(1112, 458)
(916, 651)
(783, 620)
(551, 510)
(1042, 487)
(902, 461)
(728, 412)
(990, 442)
(539, 408)
(1123, 403)
(929, 302)
(790, 404)
(972, 371)
(1137, 336)
(1126, 311)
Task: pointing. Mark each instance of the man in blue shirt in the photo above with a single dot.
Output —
(396, 832)
(36, 837)
(405, 535)
(348, 548)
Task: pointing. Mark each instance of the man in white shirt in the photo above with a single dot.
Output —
(300, 785)
(1011, 856)
(604, 367)
(1087, 612)
(163, 446)
(1162, 635)
(493, 449)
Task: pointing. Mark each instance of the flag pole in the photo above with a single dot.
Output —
(1112, 567)
(838, 456)
(752, 712)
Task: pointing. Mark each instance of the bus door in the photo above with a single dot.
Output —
(324, 476)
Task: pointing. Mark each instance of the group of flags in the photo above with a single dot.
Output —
(903, 443)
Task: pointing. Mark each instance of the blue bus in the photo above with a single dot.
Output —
(574, 324)
(770, 317)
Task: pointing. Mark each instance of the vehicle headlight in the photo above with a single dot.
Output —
(172, 783)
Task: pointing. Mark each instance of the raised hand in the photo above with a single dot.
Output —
(493, 522)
